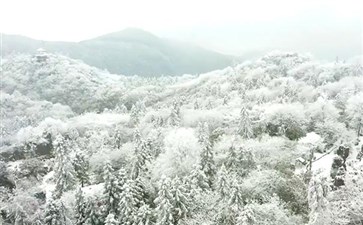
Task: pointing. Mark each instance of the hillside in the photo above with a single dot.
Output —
(273, 141)
(130, 51)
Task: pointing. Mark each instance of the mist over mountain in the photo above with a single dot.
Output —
(130, 51)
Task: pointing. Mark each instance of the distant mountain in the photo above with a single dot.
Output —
(130, 51)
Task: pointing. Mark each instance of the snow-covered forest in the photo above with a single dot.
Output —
(273, 141)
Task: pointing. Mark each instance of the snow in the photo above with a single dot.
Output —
(14, 166)
(177, 148)
(93, 190)
(192, 117)
(311, 138)
(47, 185)
(323, 165)
(93, 120)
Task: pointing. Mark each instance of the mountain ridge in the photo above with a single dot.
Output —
(130, 51)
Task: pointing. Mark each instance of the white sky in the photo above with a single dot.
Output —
(212, 23)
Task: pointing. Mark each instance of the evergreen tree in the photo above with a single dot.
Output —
(121, 179)
(242, 91)
(134, 116)
(235, 200)
(245, 124)
(137, 137)
(174, 119)
(222, 183)
(164, 209)
(111, 190)
(64, 171)
(121, 109)
(230, 208)
(207, 156)
(117, 137)
(140, 105)
(232, 161)
(247, 216)
(138, 190)
(144, 216)
(240, 162)
(198, 179)
(225, 216)
(317, 198)
(181, 200)
(152, 147)
(128, 204)
(81, 167)
(110, 220)
(93, 212)
(55, 213)
(81, 208)
(142, 154)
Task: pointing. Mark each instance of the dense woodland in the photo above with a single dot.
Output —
(274, 141)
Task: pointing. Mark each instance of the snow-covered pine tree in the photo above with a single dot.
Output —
(121, 179)
(81, 167)
(163, 202)
(73, 134)
(138, 191)
(140, 105)
(121, 109)
(117, 137)
(181, 201)
(207, 156)
(246, 216)
(232, 158)
(137, 136)
(134, 116)
(81, 208)
(154, 142)
(152, 147)
(142, 154)
(94, 216)
(111, 190)
(230, 208)
(245, 124)
(197, 179)
(242, 91)
(226, 216)
(240, 161)
(144, 215)
(55, 213)
(222, 185)
(128, 204)
(64, 171)
(317, 198)
(174, 119)
(110, 220)
(235, 200)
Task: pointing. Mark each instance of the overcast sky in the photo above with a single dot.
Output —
(228, 26)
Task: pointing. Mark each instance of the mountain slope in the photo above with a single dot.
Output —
(249, 131)
(129, 52)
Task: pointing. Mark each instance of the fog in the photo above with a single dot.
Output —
(327, 29)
